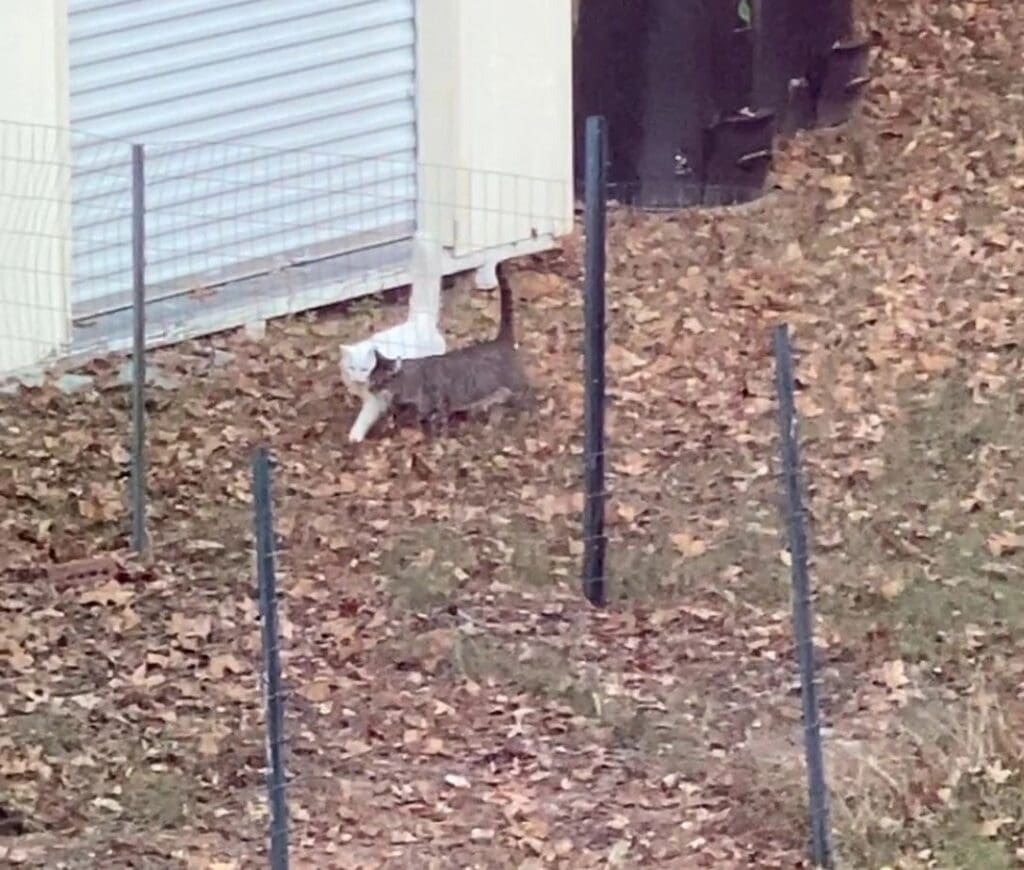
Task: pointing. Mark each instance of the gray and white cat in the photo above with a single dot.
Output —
(465, 379)
(418, 336)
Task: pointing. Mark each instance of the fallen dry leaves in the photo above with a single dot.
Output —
(451, 702)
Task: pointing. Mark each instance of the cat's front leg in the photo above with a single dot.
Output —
(527, 400)
(373, 408)
(435, 419)
(444, 415)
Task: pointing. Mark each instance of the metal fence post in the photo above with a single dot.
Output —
(272, 694)
(596, 200)
(138, 451)
(821, 848)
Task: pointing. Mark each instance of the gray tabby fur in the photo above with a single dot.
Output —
(465, 379)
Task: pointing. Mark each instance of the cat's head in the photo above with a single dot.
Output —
(383, 370)
(357, 363)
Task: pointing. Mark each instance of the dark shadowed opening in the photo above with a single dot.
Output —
(807, 65)
(672, 77)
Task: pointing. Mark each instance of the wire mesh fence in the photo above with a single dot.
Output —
(435, 653)
(35, 241)
(235, 234)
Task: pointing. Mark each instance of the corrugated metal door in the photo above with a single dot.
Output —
(274, 129)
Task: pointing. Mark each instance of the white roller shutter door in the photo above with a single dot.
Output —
(273, 128)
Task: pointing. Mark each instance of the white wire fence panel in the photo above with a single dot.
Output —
(214, 210)
(101, 216)
(472, 210)
(234, 234)
(35, 239)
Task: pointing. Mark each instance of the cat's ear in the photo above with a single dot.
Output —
(385, 365)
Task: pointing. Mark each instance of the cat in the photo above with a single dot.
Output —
(478, 376)
(417, 336)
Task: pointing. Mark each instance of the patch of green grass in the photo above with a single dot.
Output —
(642, 571)
(426, 565)
(940, 589)
(648, 569)
(56, 732)
(676, 736)
(531, 560)
(670, 735)
(964, 848)
(933, 455)
(535, 668)
(157, 798)
(942, 620)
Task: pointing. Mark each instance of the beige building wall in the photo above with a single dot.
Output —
(495, 121)
(35, 182)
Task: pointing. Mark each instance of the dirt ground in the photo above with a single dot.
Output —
(452, 701)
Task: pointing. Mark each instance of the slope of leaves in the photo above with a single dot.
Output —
(452, 703)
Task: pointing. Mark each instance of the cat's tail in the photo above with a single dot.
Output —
(506, 329)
